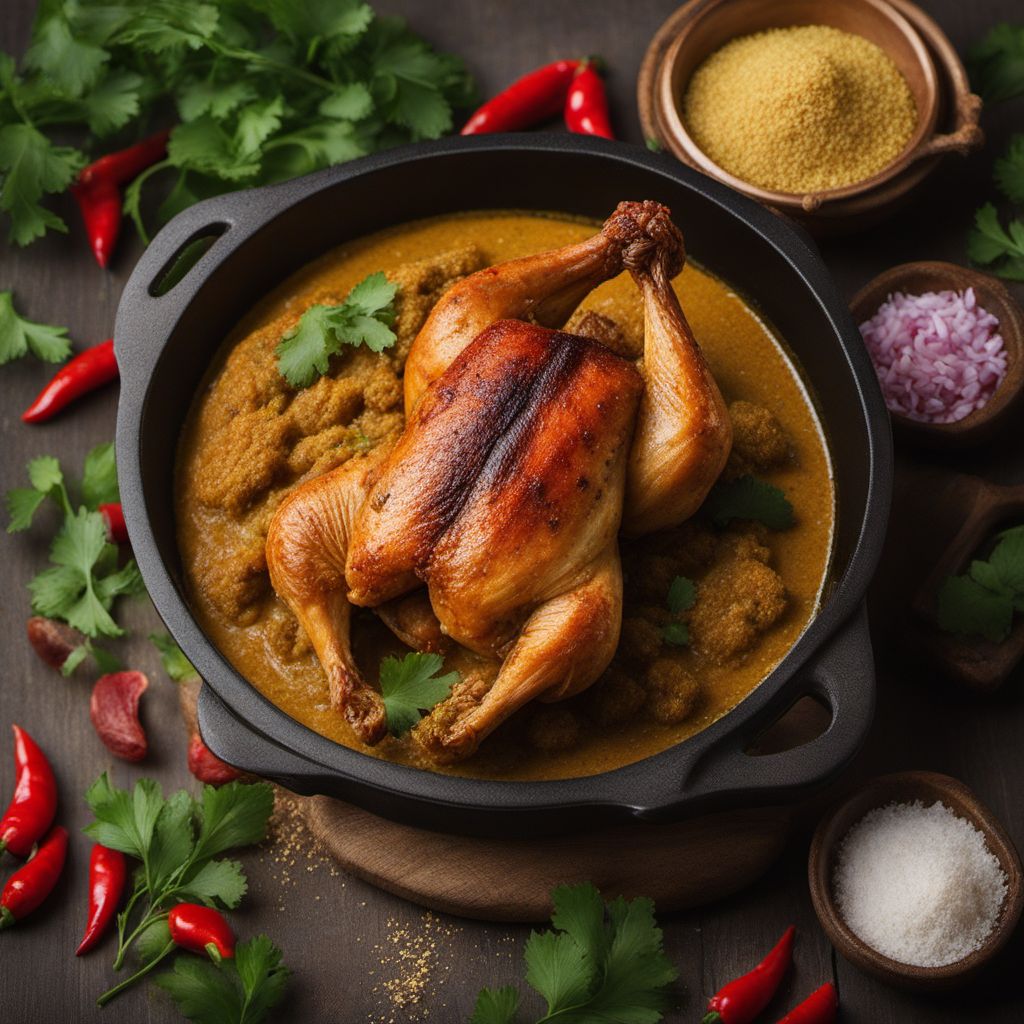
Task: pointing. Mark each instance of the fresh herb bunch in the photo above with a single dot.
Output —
(264, 90)
(177, 841)
(364, 318)
(682, 595)
(84, 579)
(411, 685)
(602, 962)
(747, 497)
(983, 601)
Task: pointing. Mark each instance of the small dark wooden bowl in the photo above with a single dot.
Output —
(904, 787)
(933, 276)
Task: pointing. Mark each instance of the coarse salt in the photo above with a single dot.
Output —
(939, 356)
(918, 884)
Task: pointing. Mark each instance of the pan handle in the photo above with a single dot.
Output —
(842, 677)
(249, 751)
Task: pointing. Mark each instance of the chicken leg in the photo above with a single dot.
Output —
(565, 644)
(544, 289)
(683, 433)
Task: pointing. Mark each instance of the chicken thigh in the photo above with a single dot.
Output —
(524, 452)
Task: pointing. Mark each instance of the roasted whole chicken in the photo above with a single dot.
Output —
(493, 521)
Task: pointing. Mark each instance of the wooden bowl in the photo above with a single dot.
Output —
(940, 87)
(903, 787)
(930, 276)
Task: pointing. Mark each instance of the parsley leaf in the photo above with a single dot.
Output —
(1010, 171)
(749, 498)
(19, 336)
(982, 602)
(364, 318)
(408, 686)
(1001, 250)
(175, 664)
(31, 165)
(601, 963)
(997, 63)
(238, 991)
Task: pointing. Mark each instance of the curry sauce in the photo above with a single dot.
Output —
(250, 439)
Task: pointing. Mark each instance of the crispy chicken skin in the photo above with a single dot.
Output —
(525, 451)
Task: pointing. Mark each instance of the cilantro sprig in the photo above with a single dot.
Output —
(19, 336)
(364, 318)
(997, 63)
(682, 595)
(982, 602)
(999, 249)
(410, 686)
(262, 91)
(601, 962)
(178, 842)
(747, 497)
(84, 579)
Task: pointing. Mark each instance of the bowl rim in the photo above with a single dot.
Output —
(924, 129)
(929, 787)
(654, 788)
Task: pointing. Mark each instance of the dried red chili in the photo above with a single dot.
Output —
(89, 370)
(586, 104)
(113, 516)
(98, 190)
(535, 97)
(820, 1007)
(31, 810)
(35, 879)
(742, 1000)
(201, 930)
(107, 872)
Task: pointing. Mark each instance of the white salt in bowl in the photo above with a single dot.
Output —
(905, 788)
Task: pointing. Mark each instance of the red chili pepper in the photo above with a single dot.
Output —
(86, 372)
(98, 190)
(107, 872)
(742, 1000)
(586, 105)
(535, 97)
(34, 880)
(113, 516)
(820, 1007)
(31, 810)
(201, 930)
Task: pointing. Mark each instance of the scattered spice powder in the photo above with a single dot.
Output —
(939, 356)
(918, 884)
(800, 109)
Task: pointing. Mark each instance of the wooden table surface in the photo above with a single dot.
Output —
(349, 945)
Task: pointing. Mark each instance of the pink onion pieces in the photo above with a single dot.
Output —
(939, 356)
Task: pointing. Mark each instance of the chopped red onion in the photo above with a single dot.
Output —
(938, 356)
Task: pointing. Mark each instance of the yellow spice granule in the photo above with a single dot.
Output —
(800, 109)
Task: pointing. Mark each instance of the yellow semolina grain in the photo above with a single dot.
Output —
(800, 109)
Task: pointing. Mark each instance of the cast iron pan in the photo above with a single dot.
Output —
(166, 336)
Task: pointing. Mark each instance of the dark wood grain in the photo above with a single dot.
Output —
(336, 930)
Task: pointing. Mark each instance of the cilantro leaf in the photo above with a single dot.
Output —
(411, 685)
(749, 498)
(681, 595)
(19, 336)
(113, 102)
(71, 65)
(124, 820)
(350, 102)
(105, 661)
(496, 1006)
(31, 166)
(22, 504)
(364, 318)
(238, 991)
(600, 963)
(233, 815)
(1009, 172)
(99, 476)
(1007, 562)
(175, 664)
(218, 881)
(970, 609)
(1001, 250)
(997, 63)
(153, 940)
(676, 633)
